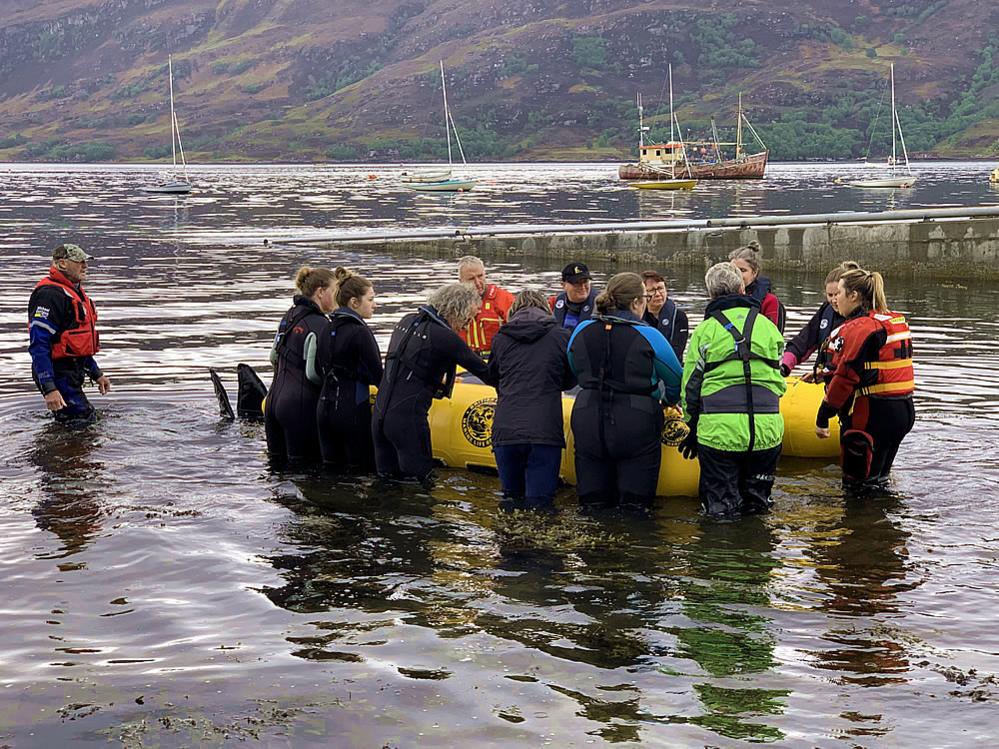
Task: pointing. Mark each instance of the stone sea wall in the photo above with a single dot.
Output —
(953, 249)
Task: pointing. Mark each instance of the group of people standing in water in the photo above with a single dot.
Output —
(622, 348)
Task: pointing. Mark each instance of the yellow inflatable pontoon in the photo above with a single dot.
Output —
(461, 429)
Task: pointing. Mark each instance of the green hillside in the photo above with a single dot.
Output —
(303, 80)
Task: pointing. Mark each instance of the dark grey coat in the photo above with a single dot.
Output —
(530, 364)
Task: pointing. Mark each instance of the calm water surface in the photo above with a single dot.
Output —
(162, 587)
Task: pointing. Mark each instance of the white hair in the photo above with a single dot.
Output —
(722, 279)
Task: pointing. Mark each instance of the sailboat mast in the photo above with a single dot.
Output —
(447, 114)
(894, 117)
(672, 122)
(738, 130)
(173, 117)
(641, 125)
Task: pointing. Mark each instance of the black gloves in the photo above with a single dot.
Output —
(688, 448)
(784, 370)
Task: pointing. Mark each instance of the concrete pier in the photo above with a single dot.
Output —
(945, 243)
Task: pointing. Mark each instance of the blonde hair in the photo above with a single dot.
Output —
(870, 285)
(837, 273)
(621, 291)
(528, 298)
(349, 285)
(750, 254)
(456, 302)
(722, 279)
(310, 280)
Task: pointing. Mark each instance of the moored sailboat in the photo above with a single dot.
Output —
(172, 183)
(440, 180)
(898, 176)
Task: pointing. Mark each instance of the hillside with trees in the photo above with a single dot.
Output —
(303, 80)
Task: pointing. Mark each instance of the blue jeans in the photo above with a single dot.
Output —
(528, 474)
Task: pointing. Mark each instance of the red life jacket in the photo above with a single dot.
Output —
(891, 374)
(80, 338)
(479, 333)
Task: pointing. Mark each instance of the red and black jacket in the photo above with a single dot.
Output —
(871, 357)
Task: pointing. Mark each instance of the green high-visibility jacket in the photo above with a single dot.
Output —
(714, 395)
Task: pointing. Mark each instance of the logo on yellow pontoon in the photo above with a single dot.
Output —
(477, 422)
(674, 430)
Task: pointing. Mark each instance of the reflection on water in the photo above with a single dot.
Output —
(163, 587)
(69, 478)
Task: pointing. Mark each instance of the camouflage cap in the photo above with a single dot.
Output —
(70, 252)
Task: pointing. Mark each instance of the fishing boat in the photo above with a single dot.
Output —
(703, 159)
(173, 183)
(665, 178)
(442, 180)
(899, 175)
(994, 176)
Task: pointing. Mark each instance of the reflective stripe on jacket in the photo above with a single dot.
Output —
(495, 308)
(80, 338)
(871, 355)
(714, 384)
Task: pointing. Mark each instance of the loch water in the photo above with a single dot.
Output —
(162, 586)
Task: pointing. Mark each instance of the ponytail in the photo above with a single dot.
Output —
(837, 273)
(750, 254)
(310, 280)
(621, 291)
(349, 286)
(869, 285)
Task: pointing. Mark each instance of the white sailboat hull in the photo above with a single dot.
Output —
(447, 185)
(884, 182)
(169, 188)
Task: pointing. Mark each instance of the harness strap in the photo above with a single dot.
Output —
(282, 343)
(744, 353)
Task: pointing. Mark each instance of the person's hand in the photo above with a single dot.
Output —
(822, 433)
(103, 384)
(785, 371)
(688, 448)
(54, 401)
(808, 377)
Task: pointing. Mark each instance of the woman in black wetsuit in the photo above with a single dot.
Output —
(290, 415)
(350, 364)
(422, 355)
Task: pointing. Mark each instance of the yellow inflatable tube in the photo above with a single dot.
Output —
(461, 430)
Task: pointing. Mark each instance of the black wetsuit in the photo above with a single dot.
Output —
(349, 360)
(617, 418)
(419, 367)
(290, 413)
(811, 337)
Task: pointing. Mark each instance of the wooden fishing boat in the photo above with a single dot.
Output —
(663, 176)
(702, 159)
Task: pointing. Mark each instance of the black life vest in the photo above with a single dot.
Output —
(568, 319)
(413, 351)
